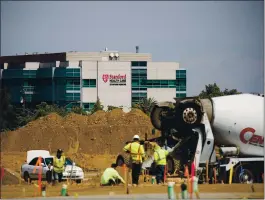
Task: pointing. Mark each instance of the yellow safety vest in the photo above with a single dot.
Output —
(58, 164)
(136, 150)
(160, 156)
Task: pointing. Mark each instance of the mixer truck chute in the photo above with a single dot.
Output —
(234, 123)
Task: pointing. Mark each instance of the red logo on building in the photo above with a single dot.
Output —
(105, 77)
(114, 79)
(247, 135)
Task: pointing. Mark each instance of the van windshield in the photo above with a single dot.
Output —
(49, 160)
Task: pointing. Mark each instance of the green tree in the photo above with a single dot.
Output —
(213, 90)
(8, 117)
(146, 105)
(44, 109)
(110, 108)
(98, 106)
(78, 110)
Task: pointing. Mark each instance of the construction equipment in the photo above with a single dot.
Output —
(232, 123)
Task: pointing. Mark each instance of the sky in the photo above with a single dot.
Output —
(220, 42)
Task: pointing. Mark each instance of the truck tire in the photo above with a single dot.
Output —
(156, 114)
(27, 177)
(190, 113)
(123, 160)
(240, 178)
(78, 181)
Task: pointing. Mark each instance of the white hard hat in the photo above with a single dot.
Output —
(136, 137)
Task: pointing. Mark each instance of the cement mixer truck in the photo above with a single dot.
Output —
(234, 124)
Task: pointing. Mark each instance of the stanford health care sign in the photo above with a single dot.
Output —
(114, 79)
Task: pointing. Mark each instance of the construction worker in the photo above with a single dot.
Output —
(49, 173)
(58, 165)
(137, 154)
(111, 177)
(160, 158)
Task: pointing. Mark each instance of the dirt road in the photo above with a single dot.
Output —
(22, 191)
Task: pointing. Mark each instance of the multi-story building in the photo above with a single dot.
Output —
(70, 78)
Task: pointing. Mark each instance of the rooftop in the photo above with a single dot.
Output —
(75, 56)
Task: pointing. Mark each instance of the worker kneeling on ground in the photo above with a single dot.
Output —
(160, 158)
(58, 165)
(137, 154)
(111, 177)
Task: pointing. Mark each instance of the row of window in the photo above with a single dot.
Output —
(72, 96)
(88, 106)
(181, 95)
(140, 94)
(181, 74)
(89, 83)
(138, 63)
(74, 84)
(144, 83)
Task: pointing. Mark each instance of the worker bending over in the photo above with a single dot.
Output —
(58, 165)
(111, 177)
(137, 154)
(160, 158)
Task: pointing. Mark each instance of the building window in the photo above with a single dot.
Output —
(73, 84)
(89, 83)
(139, 63)
(181, 88)
(137, 97)
(72, 97)
(88, 106)
(181, 82)
(139, 88)
(180, 74)
(73, 72)
(181, 95)
(161, 83)
(29, 73)
(139, 73)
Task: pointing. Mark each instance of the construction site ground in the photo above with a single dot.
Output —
(23, 190)
(93, 143)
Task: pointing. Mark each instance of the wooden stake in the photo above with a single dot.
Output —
(125, 178)
(165, 174)
(127, 187)
(207, 169)
(19, 177)
(214, 173)
(231, 175)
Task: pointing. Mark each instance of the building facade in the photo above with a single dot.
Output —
(75, 78)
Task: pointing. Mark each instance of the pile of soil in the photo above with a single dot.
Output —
(99, 133)
(9, 179)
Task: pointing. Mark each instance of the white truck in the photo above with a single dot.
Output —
(234, 123)
(71, 171)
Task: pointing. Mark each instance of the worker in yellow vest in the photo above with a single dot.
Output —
(58, 165)
(137, 154)
(160, 158)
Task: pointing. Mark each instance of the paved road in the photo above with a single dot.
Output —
(153, 196)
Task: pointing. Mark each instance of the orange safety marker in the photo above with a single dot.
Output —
(186, 173)
(192, 175)
(38, 164)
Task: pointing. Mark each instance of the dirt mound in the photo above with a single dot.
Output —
(100, 133)
(9, 178)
